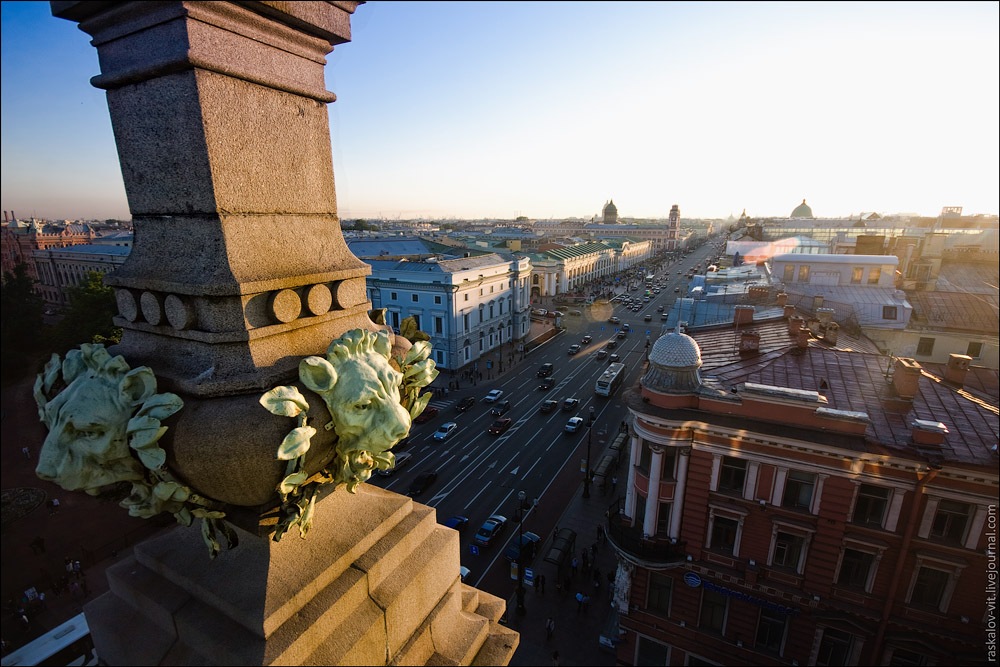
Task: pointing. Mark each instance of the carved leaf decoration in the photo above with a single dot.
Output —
(318, 374)
(161, 406)
(293, 481)
(419, 405)
(407, 328)
(377, 315)
(171, 491)
(144, 433)
(284, 402)
(418, 352)
(296, 443)
(306, 520)
(183, 516)
(208, 535)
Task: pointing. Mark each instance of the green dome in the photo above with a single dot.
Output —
(802, 211)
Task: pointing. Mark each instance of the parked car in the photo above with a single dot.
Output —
(570, 404)
(402, 459)
(492, 527)
(458, 522)
(573, 425)
(574, 348)
(548, 406)
(547, 383)
(586, 339)
(541, 312)
(429, 413)
(502, 408)
(546, 370)
(576, 313)
(465, 403)
(555, 313)
(445, 430)
(493, 396)
(500, 426)
(524, 546)
(421, 483)
(602, 353)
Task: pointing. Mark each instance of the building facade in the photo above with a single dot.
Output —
(566, 269)
(787, 504)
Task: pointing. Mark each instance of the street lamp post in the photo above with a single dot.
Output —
(521, 495)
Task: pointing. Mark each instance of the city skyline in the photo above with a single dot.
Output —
(547, 110)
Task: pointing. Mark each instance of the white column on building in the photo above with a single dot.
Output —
(635, 454)
(653, 492)
(677, 508)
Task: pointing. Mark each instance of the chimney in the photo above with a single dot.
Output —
(927, 432)
(958, 368)
(749, 342)
(906, 377)
(743, 315)
(789, 310)
(802, 338)
(782, 299)
(794, 324)
(817, 302)
(814, 326)
(831, 333)
(825, 315)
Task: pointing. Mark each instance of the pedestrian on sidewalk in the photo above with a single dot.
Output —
(550, 627)
(614, 483)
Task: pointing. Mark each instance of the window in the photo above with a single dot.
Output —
(669, 464)
(466, 296)
(713, 611)
(835, 648)
(798, 490)
(929, 588)
(874, 275)
(414, 298)
(950, 521)
(903, 658)
(732, 474)
(975, 350)
(663, 520)
(856, 569)
(925, 347)
(465, 321)
(856, 273)
(724, 535)
(649, 652)
(869, 508)
(889, 313)
(789, 273)
(437, 299)
(438, 326)
(771, 630)
(788, 551)
(392, 296)
(804, 274)
(660, 588)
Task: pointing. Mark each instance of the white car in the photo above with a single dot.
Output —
(574, 424)
(445, 430)
(493, 396)
(402, 459)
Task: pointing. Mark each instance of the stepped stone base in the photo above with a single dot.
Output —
(376, 582)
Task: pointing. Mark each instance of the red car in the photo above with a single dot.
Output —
(429, 413)
(500, 426)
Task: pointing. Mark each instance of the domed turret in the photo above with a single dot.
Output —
(802, 211)
(673, 364)
(610, 212)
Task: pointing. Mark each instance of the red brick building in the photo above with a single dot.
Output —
(793, 499)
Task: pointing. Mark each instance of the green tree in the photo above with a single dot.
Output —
(21, 323)
(89, 316)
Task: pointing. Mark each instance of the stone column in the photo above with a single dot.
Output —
(238, 271)
(653, 494)
(677, 510)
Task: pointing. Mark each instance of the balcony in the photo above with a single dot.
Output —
(654, 553)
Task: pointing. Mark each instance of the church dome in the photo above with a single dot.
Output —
(674, 361)
(610, 212)
(802, 211)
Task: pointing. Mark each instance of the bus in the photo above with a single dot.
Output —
(66, 644)
(649, 280)
(610, 380)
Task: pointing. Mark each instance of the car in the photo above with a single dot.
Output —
(647, 318)
(500, 426)
(612, 344)
(659, 309)
(458, 522)
(490, 529)
(548, 406)
(621, 335)
(614, 320)
(547, 383)
(602, 353)
(402, 459)
(541, 312)
(493, 396)
(574, 348)
(613, 358)
(573, 425)
(445, 430)
(678, 273)
(464, 572)
(545, 371)
(421, 483)
(429, 413)
(586, 339)
(465, 403)
(570, 404)
(523, 547)
(664, 316)
(626, 327)
(502, 408)
(556, 313)
(677, 290)
(576, 313)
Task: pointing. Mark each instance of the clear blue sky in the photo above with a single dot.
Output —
(468, 109)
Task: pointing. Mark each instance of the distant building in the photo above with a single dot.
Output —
(18, 240)
(561, 269)
(61, 268)
(610, 213)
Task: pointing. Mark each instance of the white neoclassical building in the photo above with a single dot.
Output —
(567, 269)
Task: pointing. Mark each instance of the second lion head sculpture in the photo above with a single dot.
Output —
(362, 392)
